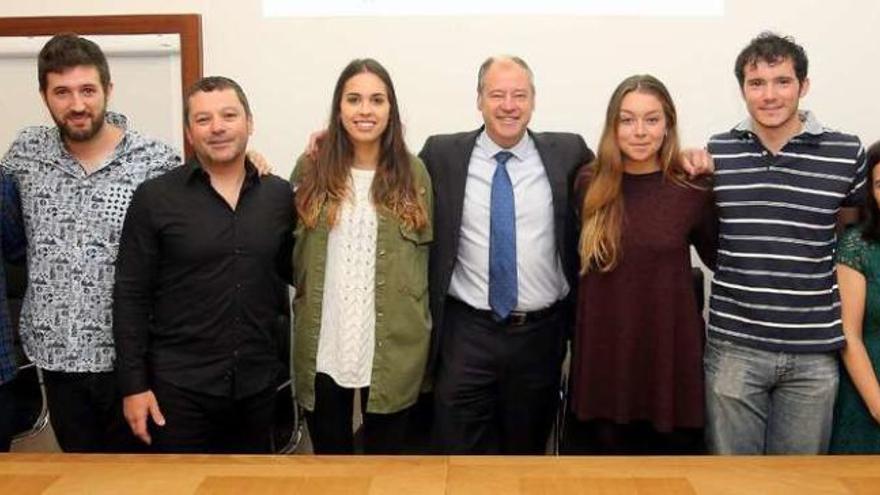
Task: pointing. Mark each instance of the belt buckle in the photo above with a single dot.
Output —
(517, 318)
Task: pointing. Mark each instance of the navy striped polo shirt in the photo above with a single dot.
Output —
(775, 287)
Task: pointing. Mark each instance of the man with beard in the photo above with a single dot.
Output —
(75, 181)
(197, 308)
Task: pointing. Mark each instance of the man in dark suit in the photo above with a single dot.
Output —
(502, 269)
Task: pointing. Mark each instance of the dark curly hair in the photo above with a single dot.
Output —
(771, 48)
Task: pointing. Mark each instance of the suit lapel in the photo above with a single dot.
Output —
(460, 157)
(555, 174)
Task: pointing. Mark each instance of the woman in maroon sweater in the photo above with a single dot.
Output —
(636, 375)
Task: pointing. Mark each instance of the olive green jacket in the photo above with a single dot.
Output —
(403, 320)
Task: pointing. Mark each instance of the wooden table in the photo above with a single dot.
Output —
(67, 474)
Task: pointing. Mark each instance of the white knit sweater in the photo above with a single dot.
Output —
(348, 317)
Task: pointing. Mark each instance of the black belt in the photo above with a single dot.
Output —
(515, 318)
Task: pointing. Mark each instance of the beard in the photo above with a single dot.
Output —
(76, 134)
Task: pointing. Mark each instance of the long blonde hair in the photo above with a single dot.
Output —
(602, 209)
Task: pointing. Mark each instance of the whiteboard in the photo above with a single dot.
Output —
(144, 69)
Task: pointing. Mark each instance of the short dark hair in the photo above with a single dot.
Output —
(771, 48)
(214, 83)
(67, 50)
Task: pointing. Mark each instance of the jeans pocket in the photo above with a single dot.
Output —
(712, 354)
(728, 370)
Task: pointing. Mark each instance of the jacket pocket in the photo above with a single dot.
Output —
(413, 260)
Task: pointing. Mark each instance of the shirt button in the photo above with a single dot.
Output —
(381, 252)
(237, 286)
(379, 314)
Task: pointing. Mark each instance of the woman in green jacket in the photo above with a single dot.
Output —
(360, 265)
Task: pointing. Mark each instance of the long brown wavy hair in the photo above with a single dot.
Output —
(326, 181)
(602, 209)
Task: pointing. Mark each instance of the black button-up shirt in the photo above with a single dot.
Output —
(199, 300)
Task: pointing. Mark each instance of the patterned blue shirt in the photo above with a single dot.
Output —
(13, 247)
(73, 222)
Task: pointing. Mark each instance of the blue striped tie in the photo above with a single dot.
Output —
(502, 241)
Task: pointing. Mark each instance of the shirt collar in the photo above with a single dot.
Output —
(110, 117)
(811, 125)
(195, 169)
(519, 150)
(117, 119)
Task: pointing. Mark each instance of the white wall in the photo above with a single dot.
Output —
(288, 66)
(145, 72)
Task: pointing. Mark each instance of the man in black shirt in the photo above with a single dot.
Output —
(197, 303)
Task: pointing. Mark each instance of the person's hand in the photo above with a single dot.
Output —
(137, 408)
(260, 163)
(314, 145)
(697, 162)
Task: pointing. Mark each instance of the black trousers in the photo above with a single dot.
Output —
(85, 410)
(207, 424)
(7, 416)
(330, 424)
(497, 387)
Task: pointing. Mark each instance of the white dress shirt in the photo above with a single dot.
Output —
(540, 278)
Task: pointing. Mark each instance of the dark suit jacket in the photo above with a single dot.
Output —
(447, 157)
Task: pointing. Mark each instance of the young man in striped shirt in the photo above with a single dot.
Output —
(781, 179)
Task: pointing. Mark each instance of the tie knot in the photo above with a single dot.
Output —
(502, 156)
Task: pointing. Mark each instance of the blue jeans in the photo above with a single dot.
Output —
(765, 402)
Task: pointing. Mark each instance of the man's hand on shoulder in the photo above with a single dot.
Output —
(697, 162)
(260, 163)
(316, 138)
